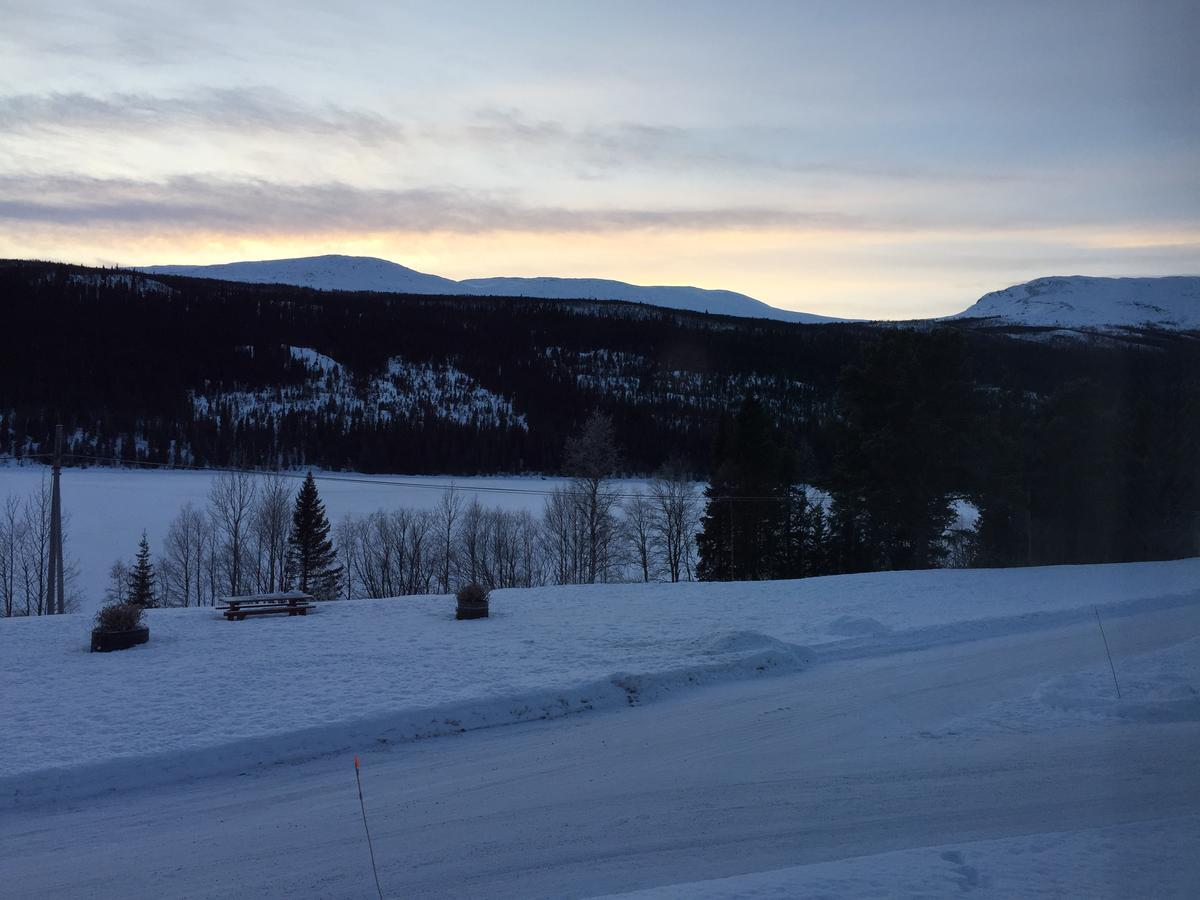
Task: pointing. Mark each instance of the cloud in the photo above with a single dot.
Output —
(762, 150)
(235, 110)
(587, 151)
(253, 206)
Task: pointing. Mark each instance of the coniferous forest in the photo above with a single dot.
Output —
(1073, 451)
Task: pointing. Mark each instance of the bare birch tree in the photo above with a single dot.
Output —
(230, 502)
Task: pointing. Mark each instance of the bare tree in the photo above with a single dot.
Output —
(184, 554)
(637, 517)
(345, 536)
(591, 458)
(402, 551)
(34, 552)
(271, 523)
(563, 537)
(675, 519)
(449, 510)
(230, 502)
(11, 539)
(118, 583)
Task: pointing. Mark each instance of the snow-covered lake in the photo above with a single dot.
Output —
(108, 509)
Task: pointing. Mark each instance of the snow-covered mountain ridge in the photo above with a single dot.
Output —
(1070, 303)
(365, 273)
(1075, 302)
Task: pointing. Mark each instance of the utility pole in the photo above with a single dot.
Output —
(55, 578)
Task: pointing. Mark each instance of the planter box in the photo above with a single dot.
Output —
(106, 641)
(471, 611)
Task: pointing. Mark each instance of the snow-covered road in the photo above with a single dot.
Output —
(934, 748)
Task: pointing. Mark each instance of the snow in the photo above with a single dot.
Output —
(361, 273)
(1068, 303)
(1081, 302)
(839, 772)
(107, 508)
(207, 696)
(328, 273)
(1141, 859)
(404, 390)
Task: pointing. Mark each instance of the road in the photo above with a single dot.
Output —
(849, 758)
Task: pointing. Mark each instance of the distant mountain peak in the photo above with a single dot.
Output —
(337, 272)
(1085, 302)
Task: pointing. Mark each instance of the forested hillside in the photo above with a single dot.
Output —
(211, 373)
(1073, 451)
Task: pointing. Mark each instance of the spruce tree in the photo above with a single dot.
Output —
(141, 577)
(748, 498)
(313, 559)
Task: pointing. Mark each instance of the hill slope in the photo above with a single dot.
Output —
(364, 273)
(1103, 304)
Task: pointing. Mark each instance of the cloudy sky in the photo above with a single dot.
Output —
(849, 158)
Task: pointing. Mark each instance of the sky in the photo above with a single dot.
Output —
(861, 159)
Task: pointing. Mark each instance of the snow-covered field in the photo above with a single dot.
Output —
(109, 508)
(207, 696)
(897, 734)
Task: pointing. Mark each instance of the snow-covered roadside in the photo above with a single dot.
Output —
(1143, 859)
(208, 696)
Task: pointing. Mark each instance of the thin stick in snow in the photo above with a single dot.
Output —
(1107, 653)
(358, 779)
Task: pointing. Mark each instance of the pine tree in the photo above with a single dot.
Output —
(313, 558)
(142, 579)
(748, 498)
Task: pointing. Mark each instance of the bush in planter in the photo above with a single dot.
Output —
(119, 626)
(472, 602)
(119, 617)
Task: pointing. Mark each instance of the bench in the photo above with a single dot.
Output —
(293, 603)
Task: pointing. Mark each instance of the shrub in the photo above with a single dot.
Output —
(472, 594)
(119, 617)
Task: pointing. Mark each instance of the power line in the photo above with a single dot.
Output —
(364, 479)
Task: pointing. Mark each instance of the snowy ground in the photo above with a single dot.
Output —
(109, 508)
(938, 731)
(1153, 858)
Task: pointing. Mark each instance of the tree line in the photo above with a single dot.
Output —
(251, 537)
(1100, 468)
(25, 556)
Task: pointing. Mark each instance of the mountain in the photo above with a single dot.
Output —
(1074, 450)
(1075, 303)
(1082, 303)
(325, 273)
(365, 273)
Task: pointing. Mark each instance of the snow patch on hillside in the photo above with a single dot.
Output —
(416, 392)
(630, 376)
(141, 286)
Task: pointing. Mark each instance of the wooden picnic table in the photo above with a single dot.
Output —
(293, 603)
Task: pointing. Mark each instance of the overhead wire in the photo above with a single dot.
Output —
(423, 484)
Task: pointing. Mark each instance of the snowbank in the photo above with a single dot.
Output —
(207, 696)
(1163, 686)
